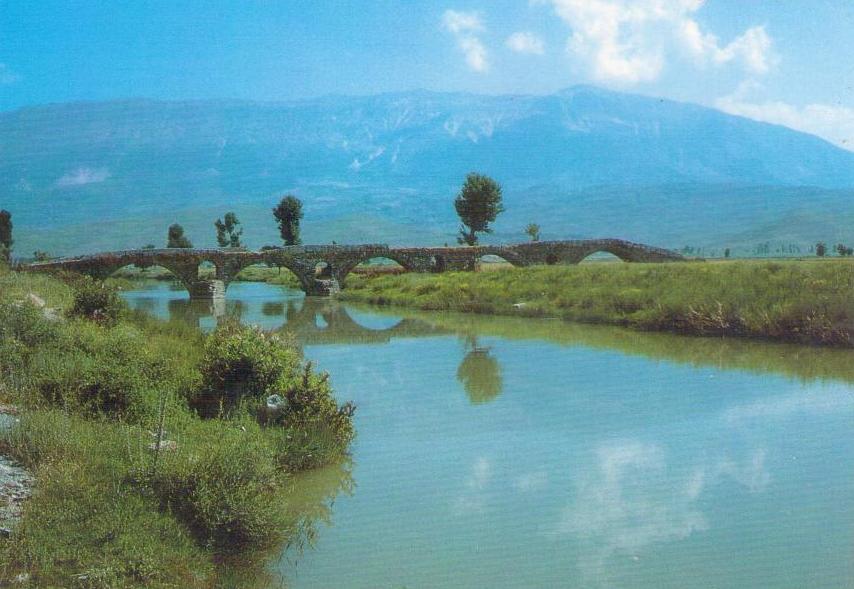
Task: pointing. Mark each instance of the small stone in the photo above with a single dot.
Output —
(170, 445)
(5, 532)
(36, 300)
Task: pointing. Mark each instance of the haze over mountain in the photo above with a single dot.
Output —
(583, 162)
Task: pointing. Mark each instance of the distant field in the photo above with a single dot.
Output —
(807, 301)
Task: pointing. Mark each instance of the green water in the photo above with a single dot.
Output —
(498, 452)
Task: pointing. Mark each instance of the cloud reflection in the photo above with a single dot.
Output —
(634, 497)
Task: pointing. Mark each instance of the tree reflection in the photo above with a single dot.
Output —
(479, 373)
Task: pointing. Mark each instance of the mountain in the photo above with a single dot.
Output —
(581, 162)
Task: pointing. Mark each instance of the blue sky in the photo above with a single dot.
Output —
(784, 61)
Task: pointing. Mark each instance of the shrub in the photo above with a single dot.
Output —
(241, 364)
(313, 430)
(96, 301)
(242, 367)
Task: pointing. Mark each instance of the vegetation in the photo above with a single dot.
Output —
(5, 235)
(844, 250)
(136, 487)
(228, 231)
(477, 204)
(532, 230)
(176, 237)
(288, 214)
(820, 249)
(800, 301)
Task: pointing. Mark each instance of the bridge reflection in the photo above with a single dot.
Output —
(313, 321)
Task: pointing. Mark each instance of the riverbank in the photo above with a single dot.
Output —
(162, 457)
(803, 301)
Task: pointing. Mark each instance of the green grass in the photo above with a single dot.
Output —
(798, 301)
(109, 509)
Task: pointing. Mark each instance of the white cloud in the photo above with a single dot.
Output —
(525, 42)
(465, 26)
(628, 40)
(7, 76)
(833, 123)
(82, 176)
(462, 22)
(475, 53)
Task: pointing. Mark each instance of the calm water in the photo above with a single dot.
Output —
(497, 452)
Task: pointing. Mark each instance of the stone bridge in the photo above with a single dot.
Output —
(322, 269)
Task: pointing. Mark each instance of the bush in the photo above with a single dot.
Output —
(242, 367)
(96, 301)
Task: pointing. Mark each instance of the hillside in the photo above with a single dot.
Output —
(582, 162)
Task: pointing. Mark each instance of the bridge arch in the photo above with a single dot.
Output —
(505, 253)
(345, 269)
(603, 255)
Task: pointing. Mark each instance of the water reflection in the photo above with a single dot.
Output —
(479, 373)
(585, 456)
(310, 499)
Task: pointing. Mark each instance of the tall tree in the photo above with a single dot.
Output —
(176, 237)
(477, 204)
(228, 231)
(820, 249)
(6, 240)
(533, 230)
(288, 214)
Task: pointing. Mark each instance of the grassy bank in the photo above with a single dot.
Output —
(798, 301)
(159, 459)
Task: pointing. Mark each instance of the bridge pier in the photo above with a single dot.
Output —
(322, 287)
(206, 289)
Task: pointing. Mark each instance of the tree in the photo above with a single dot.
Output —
(820, 249)
(288, 214)
(228, 231)
(176, 237)
(477, 204)
(843, 251)
(41, 256)
(726, 253)
(5, 235)
(533, 230)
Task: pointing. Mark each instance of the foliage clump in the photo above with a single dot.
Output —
(228, 231)
(96, 301)
(175, 237)
(244, 370)
(288, 214)
(478, 204)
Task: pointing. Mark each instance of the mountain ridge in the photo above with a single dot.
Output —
(401, 157)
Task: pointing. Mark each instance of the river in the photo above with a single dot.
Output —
(502, 452)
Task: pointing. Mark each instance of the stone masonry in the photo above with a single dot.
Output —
(321, 269)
